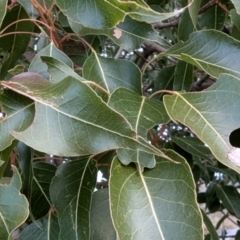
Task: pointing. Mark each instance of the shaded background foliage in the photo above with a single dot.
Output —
(118, 118)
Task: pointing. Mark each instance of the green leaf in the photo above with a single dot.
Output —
(32, 12)
(100, 219)
(45, 228)
(13, 206)
(208, 119)
(146, 205)
(59, 70)
(164, 80)
(70, 130)
(210, 50)
(237, 5)
(183, 78)
(36, 177)
(230, 198)
(192, 145)
(112, 73)
(185, 26)
(213, 18)
(141, 113)
(40, 67)
(71, 193)
(3, 10)
(126, 34)
(39, 200)
(24, 158)
(109, 13)
(142, 159)
(235, 18)
(5, 157)
(15, 44)
(210, 227)
(193, 11)
(18, 115)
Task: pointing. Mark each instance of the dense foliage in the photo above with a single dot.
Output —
(115, 114)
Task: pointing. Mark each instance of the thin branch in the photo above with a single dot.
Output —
(161, 25)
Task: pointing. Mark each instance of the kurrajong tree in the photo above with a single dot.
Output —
(147, 93)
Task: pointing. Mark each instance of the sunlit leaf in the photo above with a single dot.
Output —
(45, 228)
(208, 121)
(13, 206)
(100, 218)
(18, 113)
(38, 66)
(154, 199)
(211, 51)
(112, 73)
(141, 113)
(71, 193)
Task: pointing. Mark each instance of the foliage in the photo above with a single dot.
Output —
(144, 92)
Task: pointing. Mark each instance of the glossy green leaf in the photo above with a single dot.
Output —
(193, 11)
(59, 70)
(40, 67)
(237, 5)
(71, 194)
(70, 130)
(109, 13)
(100, 218)
(112, 73)
(212, 51)
(141, 113)
(183, 78)
(210, 227)
(3, 10)
(147, 205)
(13, 206)
(18, 115)
(5, 157)
(208, 121)
(45, 228)
(230, 198)
(126, 34)
(192, 145)
(213, 18)
(15, 44)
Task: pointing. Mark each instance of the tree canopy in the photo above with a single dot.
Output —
(113, 116)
